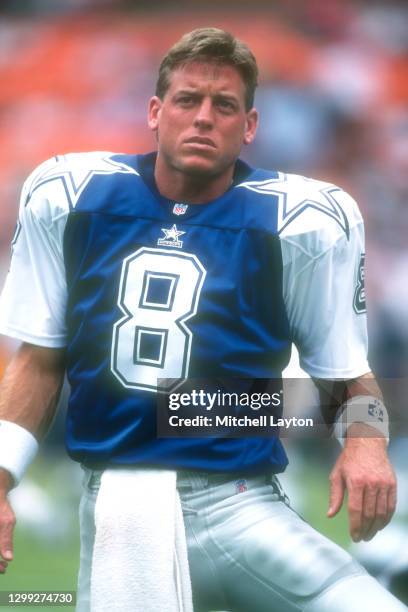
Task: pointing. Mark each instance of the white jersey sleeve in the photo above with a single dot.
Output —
(323, 283)
(33, 300)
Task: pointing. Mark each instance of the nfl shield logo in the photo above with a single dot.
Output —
(179, 209)
(241, 486)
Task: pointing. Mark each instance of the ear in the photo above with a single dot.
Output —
(153, 116)
(251, 126)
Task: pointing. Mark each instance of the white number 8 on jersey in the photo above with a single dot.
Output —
(159, 291)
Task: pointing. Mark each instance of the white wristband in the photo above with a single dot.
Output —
(361, 409)
(18, 448)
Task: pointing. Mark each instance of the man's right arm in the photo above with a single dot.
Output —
(28, 397)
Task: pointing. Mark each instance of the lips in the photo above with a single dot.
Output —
(201, 140)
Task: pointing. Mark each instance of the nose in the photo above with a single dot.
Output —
(204, 116)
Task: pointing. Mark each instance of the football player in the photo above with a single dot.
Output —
(186, 262)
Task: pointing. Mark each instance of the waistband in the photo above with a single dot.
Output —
(196, 480)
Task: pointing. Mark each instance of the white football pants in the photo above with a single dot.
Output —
(250, 552)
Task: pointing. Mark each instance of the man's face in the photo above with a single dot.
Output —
(201, 123)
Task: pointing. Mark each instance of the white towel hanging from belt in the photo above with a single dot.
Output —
(140, 554)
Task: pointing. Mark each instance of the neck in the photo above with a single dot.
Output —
(189, 188)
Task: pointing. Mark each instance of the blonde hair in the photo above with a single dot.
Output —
(215, 46)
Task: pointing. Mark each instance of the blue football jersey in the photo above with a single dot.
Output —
(140, 289)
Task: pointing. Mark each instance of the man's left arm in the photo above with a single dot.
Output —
(323, 288)
(363, 468)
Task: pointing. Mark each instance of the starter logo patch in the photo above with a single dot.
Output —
(171, 237)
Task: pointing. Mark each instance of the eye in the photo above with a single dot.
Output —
(185, 100)
(225, 104)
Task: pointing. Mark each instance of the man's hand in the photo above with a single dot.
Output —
(7, 522)
(363, 468)
(28, 397)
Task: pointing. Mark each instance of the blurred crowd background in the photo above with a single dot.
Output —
(76, 75)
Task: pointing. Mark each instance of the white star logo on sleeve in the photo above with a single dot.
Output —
(299, 195)
(75, 170)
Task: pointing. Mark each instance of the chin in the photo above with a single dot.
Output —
(201, 167)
